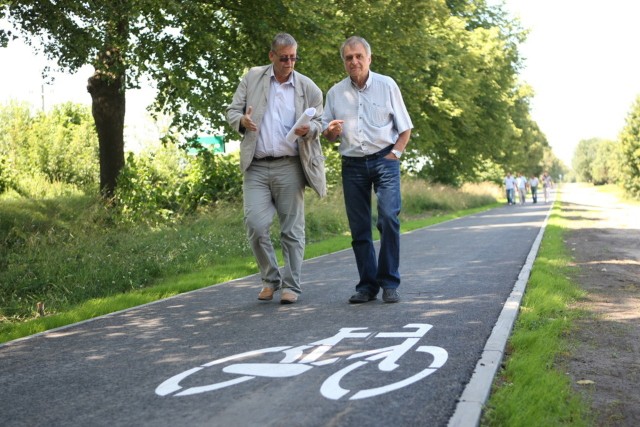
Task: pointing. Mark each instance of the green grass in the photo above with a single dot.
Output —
(94, 307)
(69, 253)
(532, 388)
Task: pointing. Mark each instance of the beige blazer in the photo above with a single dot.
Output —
(253, 90)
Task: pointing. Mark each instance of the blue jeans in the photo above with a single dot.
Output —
(359, 177)
(510, 196)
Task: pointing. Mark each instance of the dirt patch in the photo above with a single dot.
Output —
(604, 364)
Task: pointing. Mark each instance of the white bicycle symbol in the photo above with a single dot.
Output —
(295, 362)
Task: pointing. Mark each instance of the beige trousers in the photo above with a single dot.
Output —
(273, 187)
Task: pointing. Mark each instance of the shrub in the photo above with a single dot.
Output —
(60, 145)
(209, 178)
(165, 183)
(6, 173)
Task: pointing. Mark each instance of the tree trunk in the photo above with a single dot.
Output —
(108, 109)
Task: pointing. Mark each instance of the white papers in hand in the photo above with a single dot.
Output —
(302, 120)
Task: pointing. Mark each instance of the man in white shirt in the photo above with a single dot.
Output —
(521, 183)
(510, 185)
(367, 113)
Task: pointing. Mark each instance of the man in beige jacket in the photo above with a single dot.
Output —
(265, 107)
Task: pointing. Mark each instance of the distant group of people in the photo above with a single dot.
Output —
(518, 186)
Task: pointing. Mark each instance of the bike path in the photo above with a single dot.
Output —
(456, 277)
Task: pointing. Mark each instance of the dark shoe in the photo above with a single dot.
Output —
(288, 298)
(360, 297)
(390, 295)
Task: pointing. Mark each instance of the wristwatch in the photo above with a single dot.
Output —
(397, 153)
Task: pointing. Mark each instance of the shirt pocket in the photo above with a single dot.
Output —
(380, 115)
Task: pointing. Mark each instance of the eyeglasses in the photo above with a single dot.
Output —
(289, 58)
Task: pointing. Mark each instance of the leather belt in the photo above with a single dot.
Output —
(375, 155)
(271, 158)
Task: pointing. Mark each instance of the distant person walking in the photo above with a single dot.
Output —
(533, 184)
(546, 185)
(521, 183)
(510, 186)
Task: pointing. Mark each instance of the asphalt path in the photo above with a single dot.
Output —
(323, 362)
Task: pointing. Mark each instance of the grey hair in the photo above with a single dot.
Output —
(352, 41)
(281, 40)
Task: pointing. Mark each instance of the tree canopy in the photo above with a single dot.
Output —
(456, 63)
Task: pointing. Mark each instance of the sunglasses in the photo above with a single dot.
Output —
(289, 58)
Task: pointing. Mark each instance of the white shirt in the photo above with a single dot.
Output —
(374, 116)
(509, 182)
(278, 121)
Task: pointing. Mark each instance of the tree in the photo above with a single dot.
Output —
(14, 120)
(461, 83)
(583, 158)
(456, 63)
(192, 51)
(630, 141)
(550, 163)
(606, 166)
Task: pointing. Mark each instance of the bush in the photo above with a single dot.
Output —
(145, 193)
(61, 146)
(65, 251)
(6, 173)
(333, 166)
(166, 183)
(210, 178)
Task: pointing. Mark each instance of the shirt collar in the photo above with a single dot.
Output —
(290, 81)
(367, 83)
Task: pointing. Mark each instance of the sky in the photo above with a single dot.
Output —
(581, 58)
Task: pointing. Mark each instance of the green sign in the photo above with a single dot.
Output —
(211, 143)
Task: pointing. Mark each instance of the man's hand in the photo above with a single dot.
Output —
(246, 121)
(302, 130)
(333, 130)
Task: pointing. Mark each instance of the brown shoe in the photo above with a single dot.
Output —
(288, 298)
(266, 294)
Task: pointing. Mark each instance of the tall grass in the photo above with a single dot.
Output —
(420, 196)
(65, 251)
(69, 253)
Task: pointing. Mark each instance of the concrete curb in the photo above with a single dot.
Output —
(475, 395)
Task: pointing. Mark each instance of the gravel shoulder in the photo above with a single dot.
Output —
(604, 362)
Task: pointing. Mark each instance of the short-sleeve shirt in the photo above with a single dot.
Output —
(510, 182)
(374, 116)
